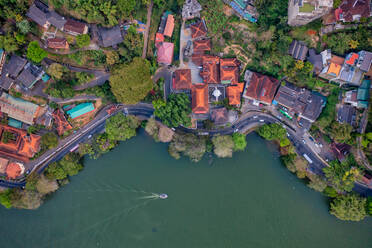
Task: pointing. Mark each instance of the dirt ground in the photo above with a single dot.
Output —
(239, 52)
(83, 120)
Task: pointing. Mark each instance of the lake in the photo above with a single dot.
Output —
(250, 200)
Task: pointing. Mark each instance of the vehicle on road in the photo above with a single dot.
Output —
(90, 136)
(203, 133)
(303, 141)
(262, 120)
(255, 117)
(311, 138)
(236, 130)
(307, 158)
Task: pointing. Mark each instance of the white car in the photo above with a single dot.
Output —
(236, 130)
(255, 117)
(262, 120)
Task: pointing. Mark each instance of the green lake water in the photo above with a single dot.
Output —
(250, 200)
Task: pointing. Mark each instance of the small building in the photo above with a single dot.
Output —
(53, 18)
(182, 79)
(75, 28)
(191, 9)
(351, 97)
(198, 30)
(57, 43)
(340, 150)
(210, 71)
(199, 94)
(165, 53)
(353, 10)
(316, 60)
(14, 170)
(159, 38)
(169, 26)
(244, 9)
(39, 12)
(363, 94)
(260, 88)
(234, 93)
(110, 36)
(16, 64)
(229, 70)
(80, 110)
(61, 123)
(30, 75)
(219, 116)
(18, 109)
(332, 68)
(365, 61)
(201, 46)
(347, 114)
(298, 50)
(216, 93)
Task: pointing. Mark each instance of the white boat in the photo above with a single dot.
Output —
(163, 196)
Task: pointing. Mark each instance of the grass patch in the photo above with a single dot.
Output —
(307, 8)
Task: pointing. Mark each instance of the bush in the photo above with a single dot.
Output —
(82, 40)
(223, 146)
(349, 207)
(240, 142)
(35, 53)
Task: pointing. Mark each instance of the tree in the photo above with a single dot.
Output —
(272, 131)
(55, 171)
(49, 140)
(71, 164)
(85, 149)
(369, 206)
(340, 132)
(240, 141)
(131, 82)
(353, 44)
(112, 57)
(189, 145)
(82, 40)
(126, 6)
(120, 127)
(284, 142)
(317, 183)
(35, 53)
(152, 128)
(330, 192)
(5, 198)
(176, 111)
(9, 43)
(24, 26)
(31, 181)
(342, 175)
(56, 70)
(349, 207)
(223, 146)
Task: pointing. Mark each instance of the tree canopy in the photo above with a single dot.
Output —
(223, 146)
(349, 207)
(49, 140)
(82, 40)
(120, 127)
(35, 52)
(190, 145)
(240, 141)
(272, 131)
(131, 82)
(176, 111)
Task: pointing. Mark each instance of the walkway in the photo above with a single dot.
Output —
(148, 23)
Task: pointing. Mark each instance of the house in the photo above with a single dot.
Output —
(353, 10)
(229, 70)
(30, 75)
(367, 179)
(301, 12)
(169, 26)
(191, 9)
(298, 50)
(260, 88)
(14, 170)
(332, 68)
(165, 53)
(219, 116)
(363, 94)
(306, 104)
(75, 28)
(365, 61)
(351, 97)
(57, 43)
(18, 144)
(61, 123)
(340, 150)
(16, 65)
(200, 46)
(234, 93)
(244, 9)
(216, 93)
(18, 109)
(316, 60)
(198, 30)
(210, 71)
(182, 79)
(159, 38)
(199, 93)
(346, 114)
(80, 110)
(54, 19)
(39, 12)
(110, 36)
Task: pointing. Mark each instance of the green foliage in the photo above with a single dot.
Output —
(49, 140)
(189, 145)
(131, 82)
(214, 16)
(55, 171)
(126, 7)
(56, 71)
(8, 43)
(24, 26)
(340, 132)
(369, 206)
(112, 57)
(329, 112)
(71, 164)
(5, 198)
(84, 77)
(271, 12)
(240, 142)
(7, 136)
(102, 91)
(223, 146)
(120, 127)
(35, 53)
(342, 175)
(31, 181)
(13, 9)
(330, 192)
(284, 142)
(152, 129)
(131, 46)
(176, 111)
(34, 129)
(336, 3)
(272, 132)
(317, 183)
(82, 40)
(349, 207)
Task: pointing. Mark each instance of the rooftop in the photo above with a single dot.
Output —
(353, 10)
(169, 26)
(346, 114)
(57, 43)
(316, 60)
(200, 98)
(16, 65)
(55, 19)
(75, 27)
(219, 116)
(234, 93)
(81, 109)
(261, 87)
(298, 50)
(61, 123)
(110, 36)
(200, 46)
(165, 53)
(198, 29)
(210, 72)
(182, 79)
(30, 74)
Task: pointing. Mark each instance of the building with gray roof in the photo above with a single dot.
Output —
(38, 15)
(15, 65)
(191, 9)
(110, 36)
(55, 19)
(316, 60)
(346, 114)
(365, 61)
(30, 75)
(298, 50)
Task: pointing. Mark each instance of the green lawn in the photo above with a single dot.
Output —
(307, 8)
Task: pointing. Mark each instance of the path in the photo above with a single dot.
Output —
(148, 23)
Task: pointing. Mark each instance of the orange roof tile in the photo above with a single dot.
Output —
(352, 59)
(169, 26)
(262, 88)
(182, 79)
(337, 60)
(58, 43)
(210, 72)
(234, 94)
(230, 74)
(198, 30)
(199, 46)
(229, 62)
(61, 122)
(334, 69)
(159, 38)
(14, 170)
(200, 99)
(197, 59)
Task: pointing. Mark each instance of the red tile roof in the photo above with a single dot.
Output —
(199, 46)
(169, 26)
(210, 72)
(61, 123)
(199, 94)
(165, 53)
(355, 7)
(197, 59)
(14, 170)
(75, 27)
(352, 59)
(58, 43)
(261, 88)
(229, 74)
(233, 94)
(182, 79)
(229, 62)
(198, 30)
(159, 37)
